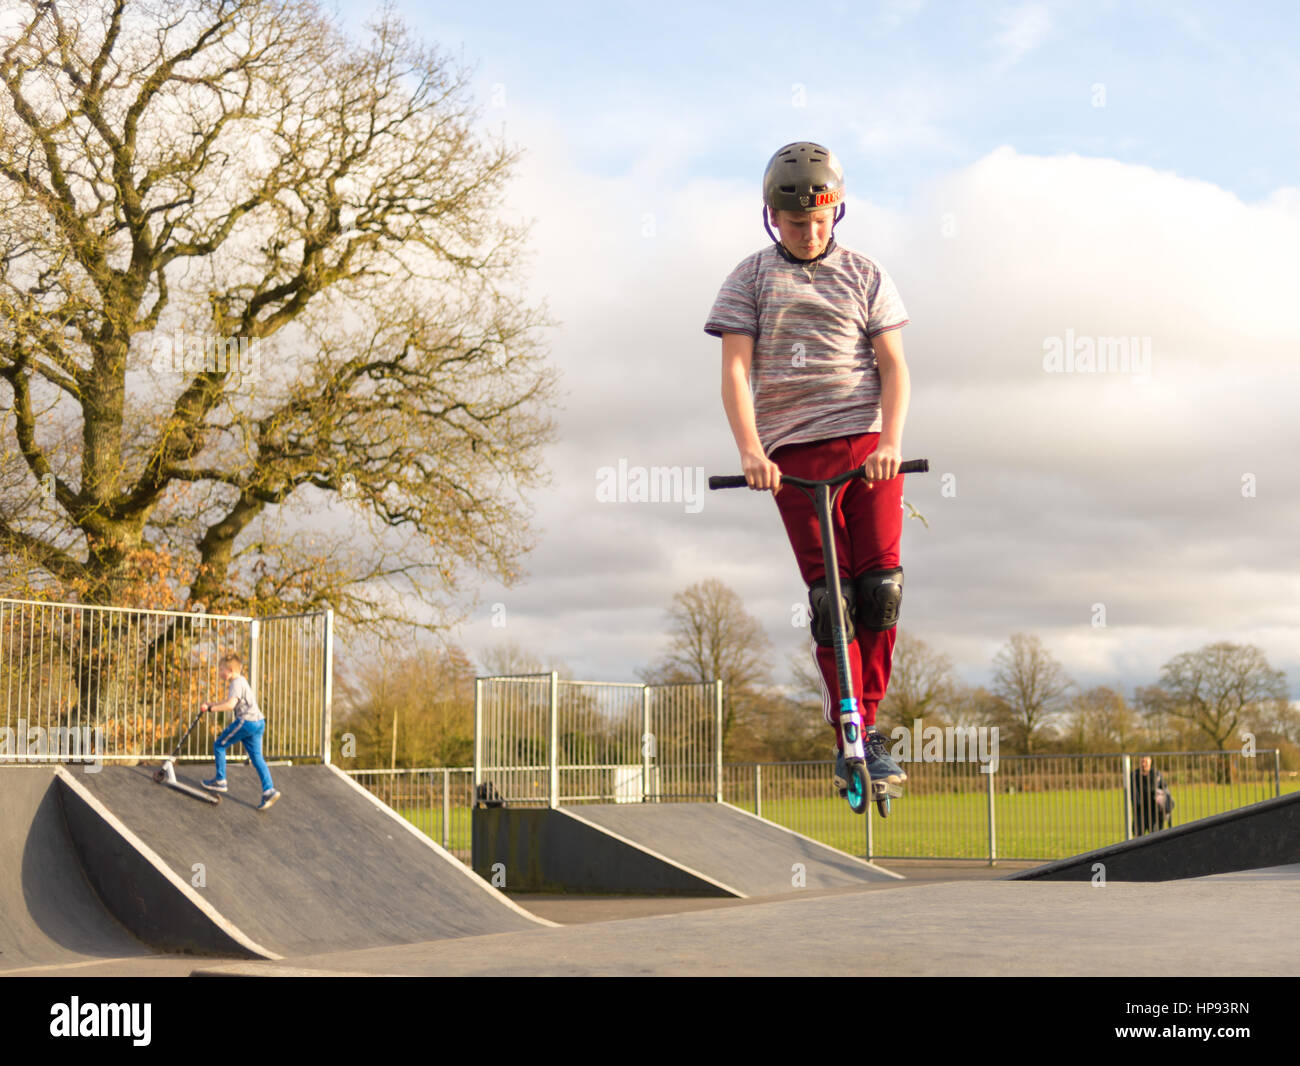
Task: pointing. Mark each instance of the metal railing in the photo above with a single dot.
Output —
(81, 682)
(1033, 808)
(541, 741)
(293, 682)
(437, 801)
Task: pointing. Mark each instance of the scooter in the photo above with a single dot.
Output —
(861, 788)
(166, 774)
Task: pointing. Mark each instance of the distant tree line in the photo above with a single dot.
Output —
(414, 706)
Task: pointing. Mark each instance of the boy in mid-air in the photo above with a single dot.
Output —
(247, 729)
(814, 384)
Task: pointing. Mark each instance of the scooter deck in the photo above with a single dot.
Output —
(167, 776)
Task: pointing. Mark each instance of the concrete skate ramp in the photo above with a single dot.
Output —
(330, 867)
(659, 848)
(1261, 835)
(49, 914)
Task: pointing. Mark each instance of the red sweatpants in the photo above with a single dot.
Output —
(868, 527)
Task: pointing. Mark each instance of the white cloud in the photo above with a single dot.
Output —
(1024, 28)
(1072, 488)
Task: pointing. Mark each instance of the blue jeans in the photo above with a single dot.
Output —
(250, 735)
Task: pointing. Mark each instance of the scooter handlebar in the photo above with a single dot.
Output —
(737, 481)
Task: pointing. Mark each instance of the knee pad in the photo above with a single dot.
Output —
(819, 599)
(879, 595)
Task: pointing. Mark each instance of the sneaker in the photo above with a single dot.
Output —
(216, 784)
(268, 799)
(879, 764)
(840, 777)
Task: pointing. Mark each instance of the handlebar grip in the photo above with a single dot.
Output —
(737, 481)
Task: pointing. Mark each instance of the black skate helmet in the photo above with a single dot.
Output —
(803, 176)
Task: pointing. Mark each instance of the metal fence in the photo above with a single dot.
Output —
(80, 682)
(437, 801)
(541, 741)
(293, 680)
(1033, 808)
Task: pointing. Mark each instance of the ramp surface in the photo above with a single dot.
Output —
(326, 869)
(1260, 835)
(49, 914)
(747, 855)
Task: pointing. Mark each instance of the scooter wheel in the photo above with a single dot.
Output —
(859, 790)
(160, 776)
(882, 805)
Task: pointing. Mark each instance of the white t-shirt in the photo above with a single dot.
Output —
(246, 708)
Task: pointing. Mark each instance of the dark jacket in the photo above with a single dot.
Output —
(1146, 814)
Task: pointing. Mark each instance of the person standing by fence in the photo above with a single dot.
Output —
(1148, 790)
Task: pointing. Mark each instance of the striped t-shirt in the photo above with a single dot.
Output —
(246, 708)
(813, 374)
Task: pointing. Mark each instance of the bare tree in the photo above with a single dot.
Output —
(1032, 685)
(408, 705)
(782, 723)
(922, 685)
(1101, 719)
(712, 636)
(253, 277)
(1216, 688)
(510, 657)
(1276, 724)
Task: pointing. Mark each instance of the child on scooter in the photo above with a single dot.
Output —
(814, 383)
(246, 728)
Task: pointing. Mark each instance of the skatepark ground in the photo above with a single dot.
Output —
(112, 875)
(564, 910)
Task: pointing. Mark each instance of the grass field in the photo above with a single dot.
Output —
(1031, 826)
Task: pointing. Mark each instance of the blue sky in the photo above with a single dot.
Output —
(900, 88)
(1169, 214)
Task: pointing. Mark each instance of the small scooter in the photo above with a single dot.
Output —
(166, 774)
(861, 789)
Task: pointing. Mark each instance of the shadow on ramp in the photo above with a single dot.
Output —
(49, 914)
